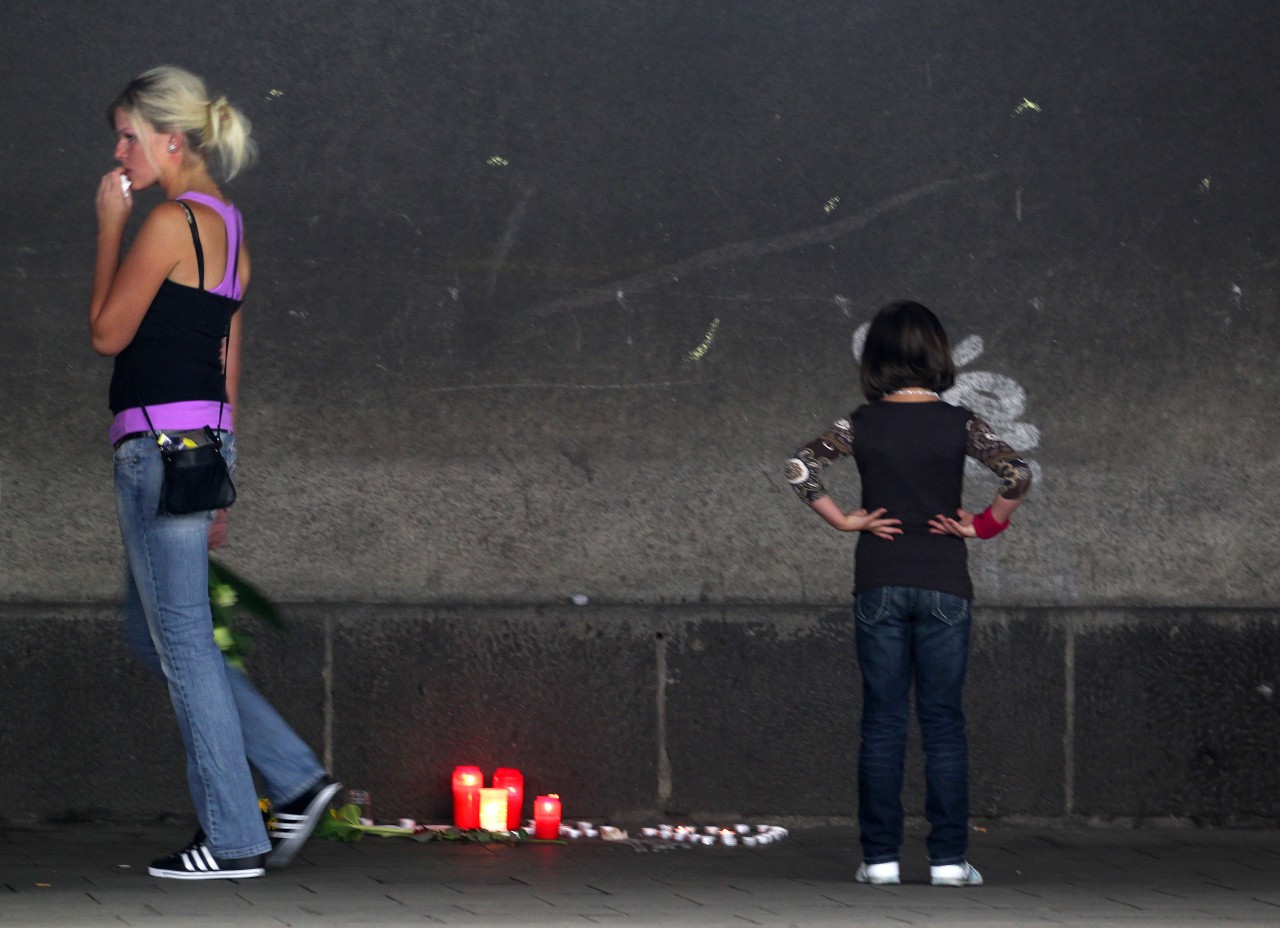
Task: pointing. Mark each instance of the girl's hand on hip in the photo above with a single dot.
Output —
(874, 522)
(961, 527)
(114, 205)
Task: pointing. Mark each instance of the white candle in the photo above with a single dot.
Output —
(742, 829)
(750, 840)
(729, 838)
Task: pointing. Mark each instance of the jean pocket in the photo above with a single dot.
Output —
(871, 608)
(954, 610)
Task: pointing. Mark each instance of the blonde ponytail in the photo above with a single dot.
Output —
(175, 100)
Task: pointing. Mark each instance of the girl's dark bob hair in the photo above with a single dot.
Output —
(906, 346)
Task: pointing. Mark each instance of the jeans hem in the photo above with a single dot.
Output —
(946, 861)
(870, 860)
(254, 850)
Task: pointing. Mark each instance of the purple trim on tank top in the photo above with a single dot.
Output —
(232, 223)
(178, 417)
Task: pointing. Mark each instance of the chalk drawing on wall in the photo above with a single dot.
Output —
(997, 398)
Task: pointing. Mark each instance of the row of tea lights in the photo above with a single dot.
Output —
(498, 808)
(714, 834)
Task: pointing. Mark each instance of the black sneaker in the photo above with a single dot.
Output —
(196, 862)
(294, 822)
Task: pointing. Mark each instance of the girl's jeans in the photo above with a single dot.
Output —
(908, 635)
(224, 722)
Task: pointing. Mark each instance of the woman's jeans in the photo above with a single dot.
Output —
(224, 722)
(906, 634)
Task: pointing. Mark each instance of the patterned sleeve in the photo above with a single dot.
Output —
(803, 470)
(986, 448)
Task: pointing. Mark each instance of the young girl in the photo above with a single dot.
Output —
(912, 591)
(169, 314)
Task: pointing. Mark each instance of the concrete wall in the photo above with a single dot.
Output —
(544, 293)
(678, 711)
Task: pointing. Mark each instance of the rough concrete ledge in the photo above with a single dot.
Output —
(1124, 715)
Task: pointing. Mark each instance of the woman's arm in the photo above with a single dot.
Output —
(123, 290)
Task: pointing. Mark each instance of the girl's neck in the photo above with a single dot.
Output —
(912, 395)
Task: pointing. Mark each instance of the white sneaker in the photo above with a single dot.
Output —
(885, 874)
(955, 875)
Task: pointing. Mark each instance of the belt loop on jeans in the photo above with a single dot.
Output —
(130, 437)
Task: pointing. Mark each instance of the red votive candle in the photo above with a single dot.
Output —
(466, 797)
(546, 817)
(512, 780)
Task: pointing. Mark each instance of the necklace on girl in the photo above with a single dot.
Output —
(915, 391)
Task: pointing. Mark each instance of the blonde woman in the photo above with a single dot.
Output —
(168, 311)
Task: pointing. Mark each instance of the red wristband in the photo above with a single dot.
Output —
(987, 525)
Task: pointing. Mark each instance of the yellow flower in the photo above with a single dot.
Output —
(222, 638)
(224, 596)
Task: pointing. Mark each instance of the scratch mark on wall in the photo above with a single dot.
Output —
(1205, 184)
(831, 205)
(1017, 204)
(643, 385)
(846, 306)
(1024, 106)
(704, 346)
(498, 161)
(755, 248)
(508, 240)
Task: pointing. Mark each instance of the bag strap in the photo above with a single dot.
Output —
(195, 238)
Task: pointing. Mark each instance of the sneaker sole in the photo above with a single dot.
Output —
(284, 852)
(207, 874)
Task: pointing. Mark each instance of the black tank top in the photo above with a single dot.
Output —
(176, 354)
(911, 460)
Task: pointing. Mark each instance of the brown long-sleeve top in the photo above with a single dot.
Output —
(910, 457)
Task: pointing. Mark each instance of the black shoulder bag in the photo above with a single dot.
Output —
(196, 478)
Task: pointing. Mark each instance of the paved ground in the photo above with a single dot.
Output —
(96, 875)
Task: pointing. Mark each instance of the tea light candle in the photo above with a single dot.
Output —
(493, 809)
(750, 841)
(708, 840)
(546, 817)
(466, 797)
(649, 832)
(729, 838)
(711, 829)
(512, 780)
(742, 829)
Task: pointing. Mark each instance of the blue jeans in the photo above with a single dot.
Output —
(908, 635)
(224, 722)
